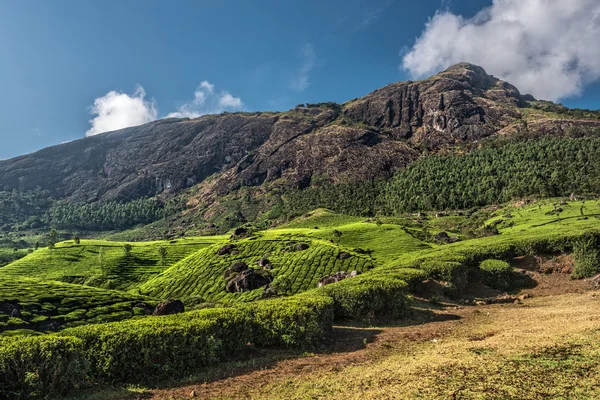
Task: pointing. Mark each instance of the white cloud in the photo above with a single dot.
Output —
(309, 58)
(117, 110)
(549, 48)
(207, 102)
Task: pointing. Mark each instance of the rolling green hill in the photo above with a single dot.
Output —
(105, 263)
(201, 275)
(50, 306)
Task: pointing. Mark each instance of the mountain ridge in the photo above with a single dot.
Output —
(364, 139)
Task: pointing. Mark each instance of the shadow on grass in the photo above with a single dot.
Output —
(342, 339)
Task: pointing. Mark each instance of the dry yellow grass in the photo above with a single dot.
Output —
(547, 348)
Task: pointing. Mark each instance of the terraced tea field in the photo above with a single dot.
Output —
(105, 263)
(201, 275)
(49, 306)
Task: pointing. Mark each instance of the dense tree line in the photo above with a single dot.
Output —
(103, 216)
(546, 168)
(362, 198)
(19, 207)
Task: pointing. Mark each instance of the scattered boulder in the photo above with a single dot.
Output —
(247, 280)
(503, 299)
(264, 262)
(430, 288)
(227, 249)
(16, 313)
(144, 307)
(595, 281)
(269, 292)
(237, 267)
(338, 276)
(48, 325)
(9, 308)
(442, 237)
(344, 256)
(301, 246)
(239, 232)
(169, 307)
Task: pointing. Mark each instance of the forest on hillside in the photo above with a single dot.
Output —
(491, 175)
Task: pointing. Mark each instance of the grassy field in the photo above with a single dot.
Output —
(48, 306)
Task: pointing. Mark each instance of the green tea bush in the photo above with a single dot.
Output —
(137, 350)
(454, 272)
(38, 367)
(586, 252)
(299, 321)
(496, 274)
(366, 297)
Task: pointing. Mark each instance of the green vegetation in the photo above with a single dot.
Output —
(545, 167)
(364, 298)
(103, 216)
(587, 256)
(23, 210)
(139, 351)
(395, 254)
(201, 274)
(560, 111)
(104, 263)
(49, 306)
(496, 274)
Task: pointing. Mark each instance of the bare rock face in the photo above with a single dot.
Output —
(169, 307)
(455, 105)
(236, 268)
(247, 280)
(10, 309)
(227, 249)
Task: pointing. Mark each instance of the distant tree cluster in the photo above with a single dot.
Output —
(360, 198)
(545, 167)
(103, 216)
(23, 208)
(577, 113)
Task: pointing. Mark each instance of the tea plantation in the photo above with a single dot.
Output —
(48, 306)
(86, 293)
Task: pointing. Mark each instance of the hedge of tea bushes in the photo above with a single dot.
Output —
(138, 351)
(143, 350)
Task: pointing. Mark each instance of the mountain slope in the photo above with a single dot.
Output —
(364, 139)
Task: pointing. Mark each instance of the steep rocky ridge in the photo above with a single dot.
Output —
(363, 139)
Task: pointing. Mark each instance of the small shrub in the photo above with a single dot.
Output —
(366, 297)
(41, 366)
(586, 252)
(496, 274)
(452, 272)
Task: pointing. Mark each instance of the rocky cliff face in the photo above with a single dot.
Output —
(367, 138)
(462, 103)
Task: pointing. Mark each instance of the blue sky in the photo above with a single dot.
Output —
(59, 57)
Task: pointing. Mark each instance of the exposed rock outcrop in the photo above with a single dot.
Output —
(169, 307)
(247, 280)
(338, 276)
